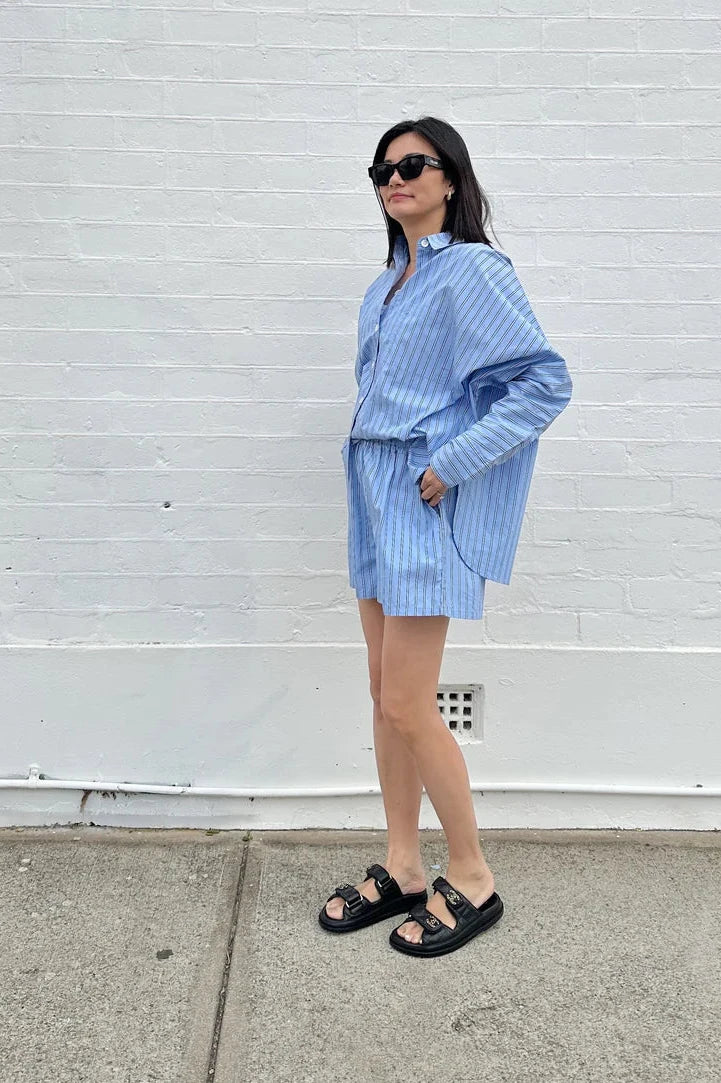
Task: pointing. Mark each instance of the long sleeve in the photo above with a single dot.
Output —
(500, 342)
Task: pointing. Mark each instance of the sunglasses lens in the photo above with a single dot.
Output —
(409, 168)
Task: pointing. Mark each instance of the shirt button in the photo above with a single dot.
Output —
(424, 242)
(377, 327)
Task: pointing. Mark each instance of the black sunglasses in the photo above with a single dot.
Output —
(409, 167)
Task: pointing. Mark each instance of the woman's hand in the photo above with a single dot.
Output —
(432, 488)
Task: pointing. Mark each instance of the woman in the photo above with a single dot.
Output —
(456, 382)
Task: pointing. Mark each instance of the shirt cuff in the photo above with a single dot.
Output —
(448, 465)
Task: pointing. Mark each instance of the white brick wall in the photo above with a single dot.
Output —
(187, 231)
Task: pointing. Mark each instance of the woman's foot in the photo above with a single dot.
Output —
(409, 880)
(476, 888)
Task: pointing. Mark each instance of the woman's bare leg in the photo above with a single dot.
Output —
(411, 659)
(398, 775)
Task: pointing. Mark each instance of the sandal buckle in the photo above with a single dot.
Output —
(381, 876)
(355, 903)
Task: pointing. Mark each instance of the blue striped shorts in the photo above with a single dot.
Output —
(400, 549)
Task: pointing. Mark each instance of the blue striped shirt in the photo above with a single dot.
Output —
(457, 365)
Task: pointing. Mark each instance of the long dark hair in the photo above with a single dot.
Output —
(468, 211)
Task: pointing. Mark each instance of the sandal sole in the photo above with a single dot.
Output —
(390, 909)
(468, 933)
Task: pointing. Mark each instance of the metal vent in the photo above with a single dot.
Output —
(461, 707)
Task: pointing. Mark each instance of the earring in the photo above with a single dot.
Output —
(449, 194)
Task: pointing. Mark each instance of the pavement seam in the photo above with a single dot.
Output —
(230, 944)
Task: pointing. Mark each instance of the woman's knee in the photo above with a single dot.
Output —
(380, 701)
(399, 711)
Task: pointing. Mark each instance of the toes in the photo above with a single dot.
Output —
(411, 931)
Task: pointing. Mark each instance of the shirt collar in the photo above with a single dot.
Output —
(435, 240)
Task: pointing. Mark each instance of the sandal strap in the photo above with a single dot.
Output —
(425, 918)
(455, 900)
(353, 898)
(387, 885)
(356, 903)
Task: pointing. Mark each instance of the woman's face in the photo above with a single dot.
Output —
(420, 199)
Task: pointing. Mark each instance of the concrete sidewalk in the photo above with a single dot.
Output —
(179, 957)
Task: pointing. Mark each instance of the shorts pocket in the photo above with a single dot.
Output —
(436, 510)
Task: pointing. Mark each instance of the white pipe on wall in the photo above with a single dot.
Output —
(35, 782)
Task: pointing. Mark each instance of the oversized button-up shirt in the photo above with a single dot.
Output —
(457, 365)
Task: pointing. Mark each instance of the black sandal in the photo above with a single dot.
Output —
(359, 911)
(437, 937)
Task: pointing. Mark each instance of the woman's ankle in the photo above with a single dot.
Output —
(462, 871)
(408, 864)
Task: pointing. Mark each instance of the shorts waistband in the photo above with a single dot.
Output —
(390, 441)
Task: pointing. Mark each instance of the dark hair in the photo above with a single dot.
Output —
(468, 211)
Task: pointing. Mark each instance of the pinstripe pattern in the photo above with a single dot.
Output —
(400, 549)
(457, 368)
